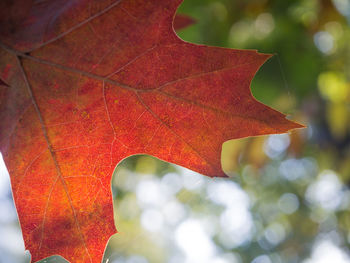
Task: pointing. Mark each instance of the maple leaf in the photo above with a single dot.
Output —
(182, 21)
(91, 82)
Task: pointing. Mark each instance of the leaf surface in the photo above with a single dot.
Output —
(91, 82)
(182, 21)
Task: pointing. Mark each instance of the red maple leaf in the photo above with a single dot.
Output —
(90, 82)
(182, 21)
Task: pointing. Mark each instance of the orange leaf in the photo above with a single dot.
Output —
(92, 82)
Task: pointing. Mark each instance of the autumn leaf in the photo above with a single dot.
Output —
(92, 82)
(182, 21)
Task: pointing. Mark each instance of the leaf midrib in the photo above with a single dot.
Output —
(53, 156)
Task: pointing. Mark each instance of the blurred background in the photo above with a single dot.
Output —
(287, 198)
